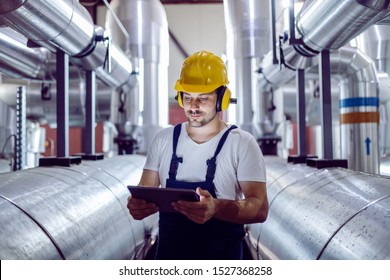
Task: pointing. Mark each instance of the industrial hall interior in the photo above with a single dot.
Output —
(86, 84)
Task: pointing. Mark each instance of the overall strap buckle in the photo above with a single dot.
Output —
(174, 166)
(211, 167)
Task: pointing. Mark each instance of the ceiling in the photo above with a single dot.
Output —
(191, 1)
(101, 2)
(91, 5)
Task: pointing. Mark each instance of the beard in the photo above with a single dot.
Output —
(201, 119)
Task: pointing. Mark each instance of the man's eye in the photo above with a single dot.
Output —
(203, 99)
(187, 99)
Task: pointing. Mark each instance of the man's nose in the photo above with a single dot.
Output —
(194, 102)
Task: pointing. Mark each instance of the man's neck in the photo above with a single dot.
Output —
(207, 132)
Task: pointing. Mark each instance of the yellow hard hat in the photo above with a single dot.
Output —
(202, 72)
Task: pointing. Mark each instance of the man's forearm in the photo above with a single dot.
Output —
(250, 210)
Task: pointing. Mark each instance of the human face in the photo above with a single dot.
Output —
(199, 108)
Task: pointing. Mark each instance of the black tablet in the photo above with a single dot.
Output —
(163, 197)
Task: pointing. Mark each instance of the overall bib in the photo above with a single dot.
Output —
(182, 239)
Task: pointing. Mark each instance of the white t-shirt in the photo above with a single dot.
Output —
(240, 159)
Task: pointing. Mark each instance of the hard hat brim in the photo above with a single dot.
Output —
(194, 88)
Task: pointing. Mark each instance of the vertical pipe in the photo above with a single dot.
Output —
(301, 110)
(291, 13)
(273, 32)
(326, 104)
(90, 106)
(62, 76)
(20, 144)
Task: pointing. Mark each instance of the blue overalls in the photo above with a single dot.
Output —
(182, 239)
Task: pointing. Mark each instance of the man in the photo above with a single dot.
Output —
(221, 162)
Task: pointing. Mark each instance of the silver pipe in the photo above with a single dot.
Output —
(358, 85)
(375, 42)
(77, 212)
(66, 25)
(22, 62)
(146, 23)
(316, 21)
(19, 61)
(359, 107)
(359, 110)
(323, 214)
(248, 36)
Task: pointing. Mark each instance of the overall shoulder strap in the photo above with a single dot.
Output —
(211, 163)
(175, 160)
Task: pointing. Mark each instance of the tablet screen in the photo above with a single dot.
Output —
(163, 197)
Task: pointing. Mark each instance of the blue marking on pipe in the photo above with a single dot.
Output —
(359, 102)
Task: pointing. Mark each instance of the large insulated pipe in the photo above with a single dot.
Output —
(64, 25)
(315, 24)
(148, 43)
(316, 21)
(359, 103)
(36, 64)
(72, 31)
(359, 107)
(248, 39)
(375, 43)
(77, 212)
(19, 61)
(323, 214)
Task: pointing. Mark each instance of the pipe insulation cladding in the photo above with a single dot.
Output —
(76, 212)
(331, 213)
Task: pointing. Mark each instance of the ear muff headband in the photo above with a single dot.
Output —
(223, 98)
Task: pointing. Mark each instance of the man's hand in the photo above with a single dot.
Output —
(199, 212)
(140, 208)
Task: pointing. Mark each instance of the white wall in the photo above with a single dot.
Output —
(196, 27)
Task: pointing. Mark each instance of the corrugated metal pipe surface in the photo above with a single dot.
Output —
(323, 214)
(76, 212)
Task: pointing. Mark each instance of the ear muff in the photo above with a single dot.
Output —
(223, 98)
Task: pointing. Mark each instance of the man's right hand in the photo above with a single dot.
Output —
(140, 208)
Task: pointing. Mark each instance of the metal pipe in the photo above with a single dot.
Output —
(358, 79)
(323, 214)
(147, 25)
(375, 43)
(19, 61)
(64, 25)
(68, 27)
(77, 212)
(315, 22)
(248, 40)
